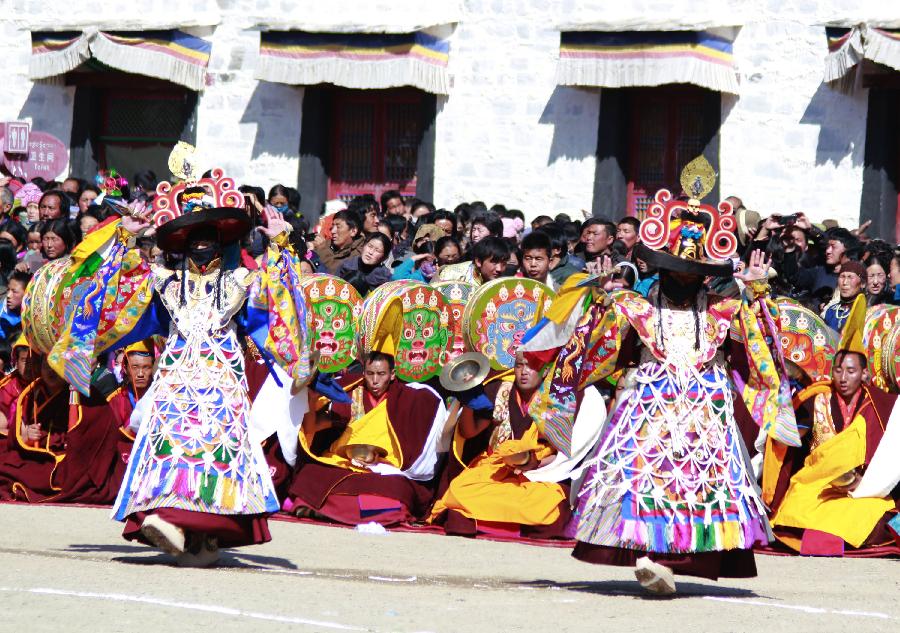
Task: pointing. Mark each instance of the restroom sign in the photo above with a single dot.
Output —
(15, 141)
(45, 156)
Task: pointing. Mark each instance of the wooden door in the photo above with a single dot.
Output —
(666, 132)
(374, 141)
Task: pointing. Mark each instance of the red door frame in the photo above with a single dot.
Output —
(673, 97)
(110, 82)
(381, 100)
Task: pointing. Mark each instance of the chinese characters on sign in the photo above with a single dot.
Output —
(16, 139)
(46, 157)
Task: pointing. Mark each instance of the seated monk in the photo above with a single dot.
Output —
(59, 452)
(24, 371)
(833, 505)
(137, 373)
(517, 484)
(381, 465)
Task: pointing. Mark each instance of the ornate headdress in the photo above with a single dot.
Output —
(689, 237)
(196, 202)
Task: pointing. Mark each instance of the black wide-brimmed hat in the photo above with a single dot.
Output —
(666, 261)
(231, 225)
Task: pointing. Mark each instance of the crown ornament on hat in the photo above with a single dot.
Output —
(691, 230)
(110, 183)
(192, 193)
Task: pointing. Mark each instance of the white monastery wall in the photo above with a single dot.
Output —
(507, 133)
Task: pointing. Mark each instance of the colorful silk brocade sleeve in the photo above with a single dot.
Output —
(276, 311)
(589, 356)
(765, 388)
(108, 294)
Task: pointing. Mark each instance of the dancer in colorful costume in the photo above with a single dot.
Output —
(195, 480)
(845, 495)
(670, 488)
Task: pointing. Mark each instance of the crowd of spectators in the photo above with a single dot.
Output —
(369, 241)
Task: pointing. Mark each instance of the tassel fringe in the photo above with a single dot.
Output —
(45, 65)
(130, 59)
(149, 63)
(406, 71)
(655, 72)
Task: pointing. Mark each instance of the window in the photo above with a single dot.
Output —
(374, 142)
(127, 122)
(666, 131)
(138, 129)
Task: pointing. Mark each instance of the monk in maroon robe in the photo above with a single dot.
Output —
(59, 452)
(137, 370)
(479, 433)
(337, 479)
(25, 370)
(831, 409)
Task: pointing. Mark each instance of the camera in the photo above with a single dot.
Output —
(785, 220)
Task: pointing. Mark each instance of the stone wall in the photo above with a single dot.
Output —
(250, 128)
(506, 133)
(789, 142)
(48, 106)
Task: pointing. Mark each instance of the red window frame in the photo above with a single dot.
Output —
(674, 99)
(381, 101)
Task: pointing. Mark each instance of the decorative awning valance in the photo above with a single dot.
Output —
(847, 48)
(646, 58)
(171, 54)
(355, 60)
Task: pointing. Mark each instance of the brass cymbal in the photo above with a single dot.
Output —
(465, 371)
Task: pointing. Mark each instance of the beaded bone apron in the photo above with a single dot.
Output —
(193, 450)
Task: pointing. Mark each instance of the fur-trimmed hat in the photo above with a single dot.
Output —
(855, 267)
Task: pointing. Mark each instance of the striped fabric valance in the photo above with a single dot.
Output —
(171, 55)
(646, 58)
(355, 60)
(847, 48)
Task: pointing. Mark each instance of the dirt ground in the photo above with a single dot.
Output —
(67, 569)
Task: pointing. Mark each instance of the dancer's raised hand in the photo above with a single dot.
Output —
(757, 269)
(275, 224)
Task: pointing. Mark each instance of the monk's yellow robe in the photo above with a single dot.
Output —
(806, 507)
(490, 491)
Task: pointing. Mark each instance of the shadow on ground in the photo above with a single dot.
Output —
(143, 555)
(231, 560)
(632, 588)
